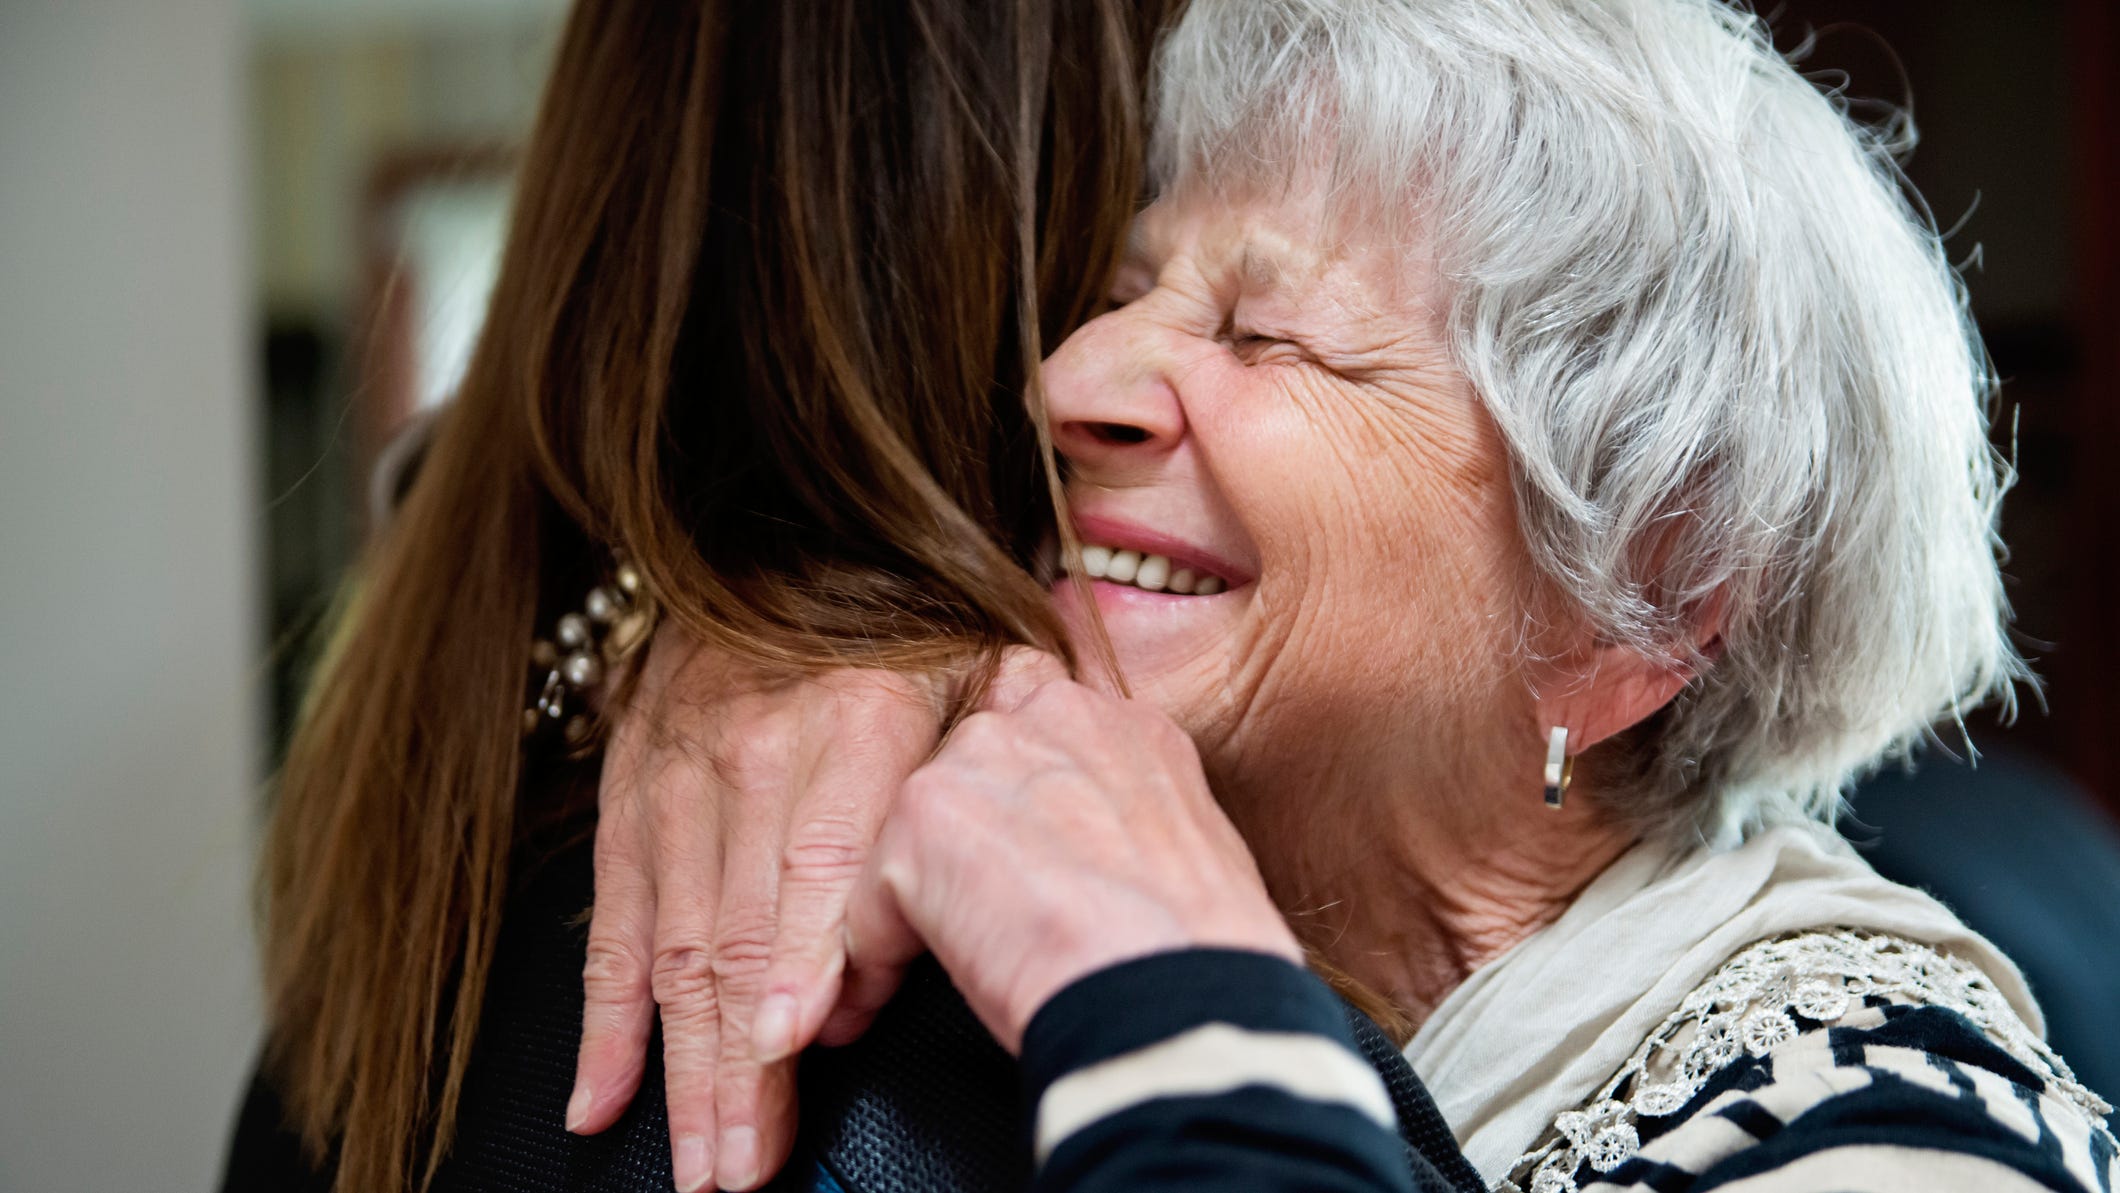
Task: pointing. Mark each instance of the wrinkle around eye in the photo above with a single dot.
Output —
(1256, 350)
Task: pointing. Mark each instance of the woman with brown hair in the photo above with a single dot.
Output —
(774, 274)
(777, 286)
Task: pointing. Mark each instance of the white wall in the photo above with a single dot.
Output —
(328, 103)
(127, 657)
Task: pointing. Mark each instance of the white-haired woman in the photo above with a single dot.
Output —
(1538, 459)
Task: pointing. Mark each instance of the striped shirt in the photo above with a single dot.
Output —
(1214, 1069)
(1834, 1062)
(1891, 1097)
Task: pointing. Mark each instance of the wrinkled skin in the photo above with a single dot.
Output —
(735, 813)
(1059, 831)
(1358, 698)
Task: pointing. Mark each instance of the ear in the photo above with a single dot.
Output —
(1610, 690)
(1602, 689)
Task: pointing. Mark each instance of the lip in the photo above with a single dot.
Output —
(1126, 536)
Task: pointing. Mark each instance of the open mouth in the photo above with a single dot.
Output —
(1123, 557)
(1148, 572)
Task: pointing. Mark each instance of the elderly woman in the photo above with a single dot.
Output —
(1538, 459)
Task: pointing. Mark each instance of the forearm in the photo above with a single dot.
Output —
(1208, 1069)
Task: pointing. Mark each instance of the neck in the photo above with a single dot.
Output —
(1410, 898)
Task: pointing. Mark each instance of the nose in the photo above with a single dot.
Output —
(1114, 410)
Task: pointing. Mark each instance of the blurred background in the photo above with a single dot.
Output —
(243, 240)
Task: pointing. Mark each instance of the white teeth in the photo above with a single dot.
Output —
(1154, 573)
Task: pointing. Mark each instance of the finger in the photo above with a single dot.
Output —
(743, 942)
(688, 895)
(806, 977)
(1022, 671)
(778, 1118)
(849, 798)
(803, 980)
(757, 1135)
(618, 1006)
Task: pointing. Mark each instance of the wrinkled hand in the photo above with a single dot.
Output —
(736, 812)
(1058, 832)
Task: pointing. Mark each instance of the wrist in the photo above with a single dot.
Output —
(1136, 1002)
(1112, 946)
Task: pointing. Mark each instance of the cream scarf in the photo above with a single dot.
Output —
(1536, 1031)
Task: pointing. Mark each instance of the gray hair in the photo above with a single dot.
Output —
(1732, 366)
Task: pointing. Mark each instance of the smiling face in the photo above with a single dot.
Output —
(1282, 421)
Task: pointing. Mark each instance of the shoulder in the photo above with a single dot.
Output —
(1895, 1097)
(1836, 1061)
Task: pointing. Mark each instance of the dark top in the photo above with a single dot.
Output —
(926, 1102)
(1216, 1070)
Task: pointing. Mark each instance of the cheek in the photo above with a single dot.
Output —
(1392, 573)
(1369, 502)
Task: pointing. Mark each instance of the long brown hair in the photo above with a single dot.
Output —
(776, 288)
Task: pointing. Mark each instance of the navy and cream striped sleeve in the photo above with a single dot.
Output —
(1207, 1069)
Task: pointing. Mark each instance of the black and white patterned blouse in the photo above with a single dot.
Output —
(1824, 1062)
(1835, 1060)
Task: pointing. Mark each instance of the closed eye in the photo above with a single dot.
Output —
(1255, 349)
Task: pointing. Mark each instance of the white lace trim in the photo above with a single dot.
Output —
(1750, 1006)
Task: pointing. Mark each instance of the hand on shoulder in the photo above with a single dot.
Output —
(1058, 831)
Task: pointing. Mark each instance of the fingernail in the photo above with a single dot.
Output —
(691, 1164)
(578, 1107)
(773, 1032)
(739, 1158)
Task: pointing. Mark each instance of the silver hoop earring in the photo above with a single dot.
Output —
(1560, 768)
